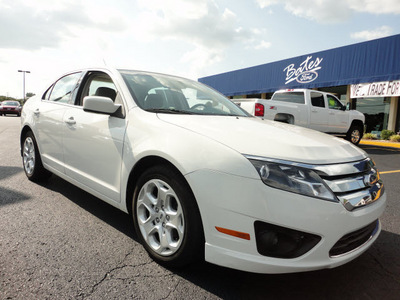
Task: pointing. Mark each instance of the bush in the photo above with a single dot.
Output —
(386, 134)
(369, 136)
(395, 138)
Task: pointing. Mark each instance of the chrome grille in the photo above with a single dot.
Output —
(355, 184)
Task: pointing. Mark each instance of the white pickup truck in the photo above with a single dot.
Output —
(308, 108)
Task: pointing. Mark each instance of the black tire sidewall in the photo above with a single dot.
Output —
(192, 247)
(39, 172)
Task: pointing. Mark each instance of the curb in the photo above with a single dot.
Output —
(380, 143)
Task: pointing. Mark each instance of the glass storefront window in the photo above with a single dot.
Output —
(376, 111)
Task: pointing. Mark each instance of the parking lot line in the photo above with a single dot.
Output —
(388, 172)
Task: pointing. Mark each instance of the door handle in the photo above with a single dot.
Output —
(70, 121)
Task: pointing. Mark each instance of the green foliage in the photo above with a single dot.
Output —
(4, 98)
(386, 134)
(369, 136)
(395, 138)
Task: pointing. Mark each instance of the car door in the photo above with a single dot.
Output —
(93, 142)
(318, 112)
(338, 119)
(48, 118)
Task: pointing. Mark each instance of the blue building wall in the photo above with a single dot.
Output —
(377, 60)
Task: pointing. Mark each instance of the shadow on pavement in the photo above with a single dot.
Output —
(374, 275)
(102, 210)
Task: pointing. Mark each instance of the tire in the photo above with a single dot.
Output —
(355, 134)
(166, 217)
(32, 161)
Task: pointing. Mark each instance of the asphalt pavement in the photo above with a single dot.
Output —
(59, 242)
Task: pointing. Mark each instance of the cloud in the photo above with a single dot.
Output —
(333, 11)
(201, 23)
(263, 45)
(24, 26)
(207, 28)
(377, 33)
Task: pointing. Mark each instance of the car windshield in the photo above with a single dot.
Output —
(10, 103)
(168, 94)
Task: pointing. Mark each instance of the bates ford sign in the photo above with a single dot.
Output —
(305, 73)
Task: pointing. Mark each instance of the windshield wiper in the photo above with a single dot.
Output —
(169, 111)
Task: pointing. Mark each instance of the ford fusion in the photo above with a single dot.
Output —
(200, 177)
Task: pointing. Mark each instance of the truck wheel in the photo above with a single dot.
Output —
(166, 218)
(355, 134)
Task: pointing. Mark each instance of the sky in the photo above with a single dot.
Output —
(189, 38)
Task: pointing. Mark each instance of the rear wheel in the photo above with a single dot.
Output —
(166, 217)
(31, 159)
(355, 134)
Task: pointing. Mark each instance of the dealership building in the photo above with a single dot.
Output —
(365, 74)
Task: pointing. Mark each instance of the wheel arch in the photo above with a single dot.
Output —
(24, 131)
(284, 117)
(357, 122)
(138, 169)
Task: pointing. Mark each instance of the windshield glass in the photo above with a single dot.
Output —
(10, 103)
(168, 94)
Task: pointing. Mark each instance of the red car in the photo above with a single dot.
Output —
(10, 107)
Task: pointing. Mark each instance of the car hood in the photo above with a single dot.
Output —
(254, 136)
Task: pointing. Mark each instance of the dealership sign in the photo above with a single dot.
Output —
(376, 89)
(305, 73)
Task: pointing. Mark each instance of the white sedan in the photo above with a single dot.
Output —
(201, 178)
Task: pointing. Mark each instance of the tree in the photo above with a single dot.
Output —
(3, 98)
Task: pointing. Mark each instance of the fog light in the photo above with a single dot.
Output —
(281, 242)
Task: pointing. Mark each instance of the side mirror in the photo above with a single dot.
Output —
(102, 105)
(347, 107)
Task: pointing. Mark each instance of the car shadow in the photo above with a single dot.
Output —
(7, 171)
(100, 209)
(7, 195)
(374, 275)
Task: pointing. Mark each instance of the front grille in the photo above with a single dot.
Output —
(355, 184)
(353, 240)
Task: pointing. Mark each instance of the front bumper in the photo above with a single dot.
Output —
(4, 111)
(236, 203)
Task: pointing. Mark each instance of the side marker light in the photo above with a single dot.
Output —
(238, 234)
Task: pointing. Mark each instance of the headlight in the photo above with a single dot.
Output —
(293, 179)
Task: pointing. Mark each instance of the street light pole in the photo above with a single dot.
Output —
(24, 83)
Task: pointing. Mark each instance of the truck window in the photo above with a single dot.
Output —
(292, 97)
(334, 103)
(317, 99)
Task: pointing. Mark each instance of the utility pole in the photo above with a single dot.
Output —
(24, 83)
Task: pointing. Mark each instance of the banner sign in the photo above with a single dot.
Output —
(376, 89)
(376, 61)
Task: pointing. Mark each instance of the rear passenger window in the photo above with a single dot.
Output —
(317, 99)
(64, 88)
(292, 97)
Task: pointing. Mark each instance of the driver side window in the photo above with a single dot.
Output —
(100, 84)
(334, 103)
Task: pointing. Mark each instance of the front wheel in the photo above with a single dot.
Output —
(355, 134)
(31, 159)
(166, 217)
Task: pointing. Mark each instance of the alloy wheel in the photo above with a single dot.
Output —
(160, 217)
(29, 155)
